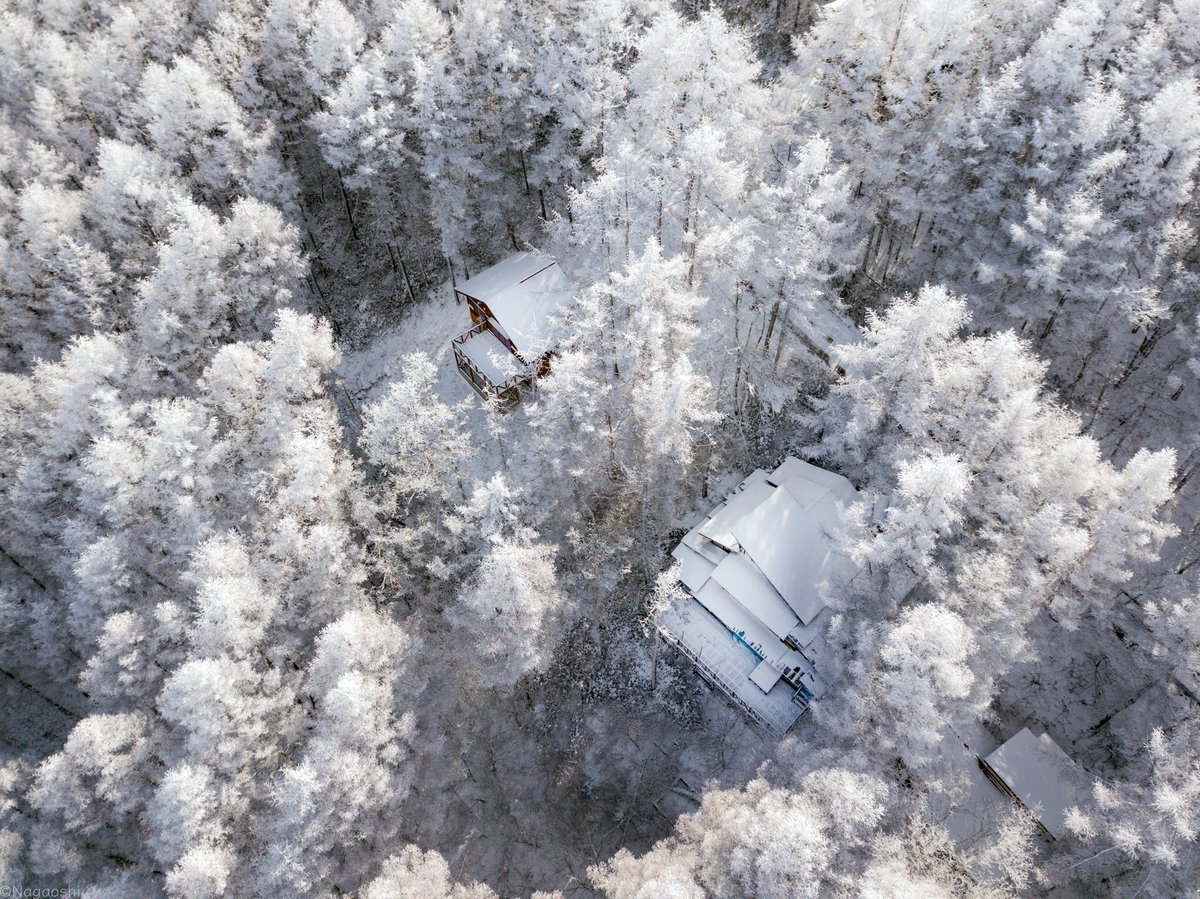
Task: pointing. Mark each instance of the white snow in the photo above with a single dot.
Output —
(525, 293)
(807, 493)
(737, 619)
(972, 808)
(792, 468)
(1042, 776)
(491, 357)
(696, 542)
(794, 548)
(429, 327)
(742, 579)
(505, 273)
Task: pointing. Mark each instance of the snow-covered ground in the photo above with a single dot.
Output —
(428, 327)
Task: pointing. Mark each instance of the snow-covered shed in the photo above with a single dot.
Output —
(754, 571)
(1035, 771)
(514, 305)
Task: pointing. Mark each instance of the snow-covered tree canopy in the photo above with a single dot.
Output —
(286, 608)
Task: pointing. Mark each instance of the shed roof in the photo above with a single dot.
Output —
(525, 293)
(1042, 776)
(765, 676)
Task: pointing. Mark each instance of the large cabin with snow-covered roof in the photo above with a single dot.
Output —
(754, 572)
(514, 305)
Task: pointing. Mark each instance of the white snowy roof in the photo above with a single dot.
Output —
(524, 292)
(795, 546)
(694, 569)
(1042, 776)
(755, 566)
(737, 618)
(765, 676)
(792, 468)
(754, 490)
(705, 547)
(741, 579)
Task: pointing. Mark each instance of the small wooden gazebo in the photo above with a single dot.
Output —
(514, 306)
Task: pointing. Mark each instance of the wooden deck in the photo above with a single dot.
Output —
(506, 392)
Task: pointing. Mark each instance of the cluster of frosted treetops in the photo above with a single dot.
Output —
(234, 600)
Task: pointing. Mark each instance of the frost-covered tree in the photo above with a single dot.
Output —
(842, 832)
(88, 795)
(421, 447)
(924, 672)
(196, 633)
(680, 158)
(1001, 508)
(418, 439)
(700, 164)
(1149, 820)
(577, 84)
(216, 281)
(761, 841)
(413, 874)
(880, 79)
(340, 800)
(511, 611)
(649, 407)
(196, 127)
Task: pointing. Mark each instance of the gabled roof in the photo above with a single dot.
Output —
(1042, 776)
(742, 579)
(773, 542)
(525, 293)
(747, 497)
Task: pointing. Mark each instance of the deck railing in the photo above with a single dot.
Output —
(714, 677)
(505, 394)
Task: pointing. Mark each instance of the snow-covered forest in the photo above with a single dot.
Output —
(287, 609)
